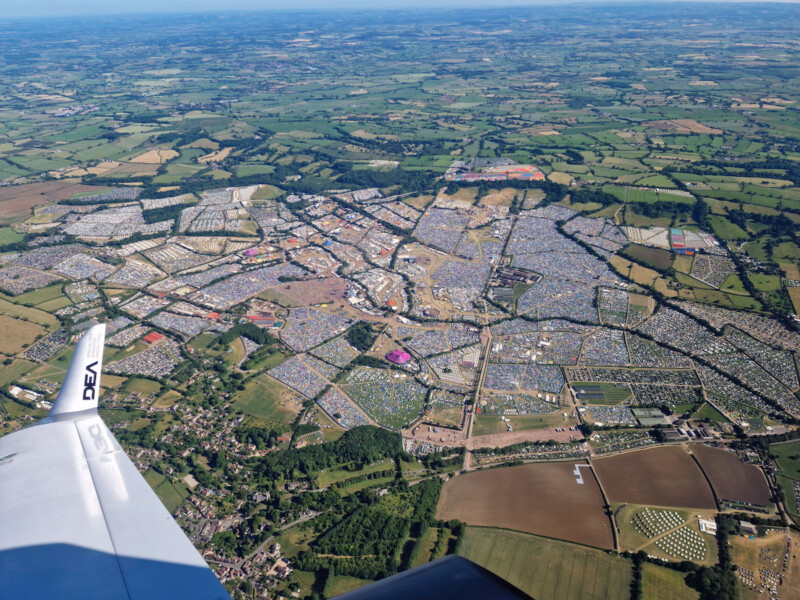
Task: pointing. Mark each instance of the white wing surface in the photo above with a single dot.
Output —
(77, 520)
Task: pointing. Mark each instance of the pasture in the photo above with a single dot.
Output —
(664, 476)
(267, 399)
(546, 568)
(142, 386)
(539, 498)
(12, 309)
(788, 458)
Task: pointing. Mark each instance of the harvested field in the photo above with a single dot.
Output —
(639, 274)
(502, 197)
(665, 476)
(794, 294)
(466, 195)
(559, 177)
(155, 157)
(17, 201)
(215, 156)
(731, 478)
(541, 498)
(17, 334)
(134, 168)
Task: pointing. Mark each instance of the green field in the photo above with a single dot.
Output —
(31, 314)
(171, 494)
(9, 236)
(790, 498)
(332, 476)
(339, 584)
(765, 283)
(706, 411)
(262, 397)
(547, 568)
(11, 373)
(726, 230)
(788, 458)
(142, 386)
(41, 295)
(663, 583)
(733, 283)
(614, 393)
(487, 424)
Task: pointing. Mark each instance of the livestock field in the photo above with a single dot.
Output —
(540, 498)
(663, 476)
(731, 478)
(547, 568)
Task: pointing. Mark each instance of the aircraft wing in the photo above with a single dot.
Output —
(77, 520)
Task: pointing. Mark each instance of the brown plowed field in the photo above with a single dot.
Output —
(541, 498)
(665, 476)
(16, 201)
(731, 478)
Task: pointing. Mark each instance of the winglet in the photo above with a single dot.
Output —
(81, 388)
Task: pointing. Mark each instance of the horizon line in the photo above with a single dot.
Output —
(415, 6)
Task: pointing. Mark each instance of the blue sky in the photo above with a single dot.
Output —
(25, 8)
(31, 8)
(16, 8)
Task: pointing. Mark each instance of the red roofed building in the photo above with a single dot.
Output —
(212, 315)
(152, 338)
(398, 357)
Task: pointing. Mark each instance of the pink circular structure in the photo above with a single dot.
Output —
(251, 252)
(398, 357)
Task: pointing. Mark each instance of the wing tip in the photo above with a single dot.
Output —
(81, 388)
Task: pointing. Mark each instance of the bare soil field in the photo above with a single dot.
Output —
(541, 498)
(17, 201)
(318, 291)
(507, 438)
(731, 478)
(653, 257)
(665, 476)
